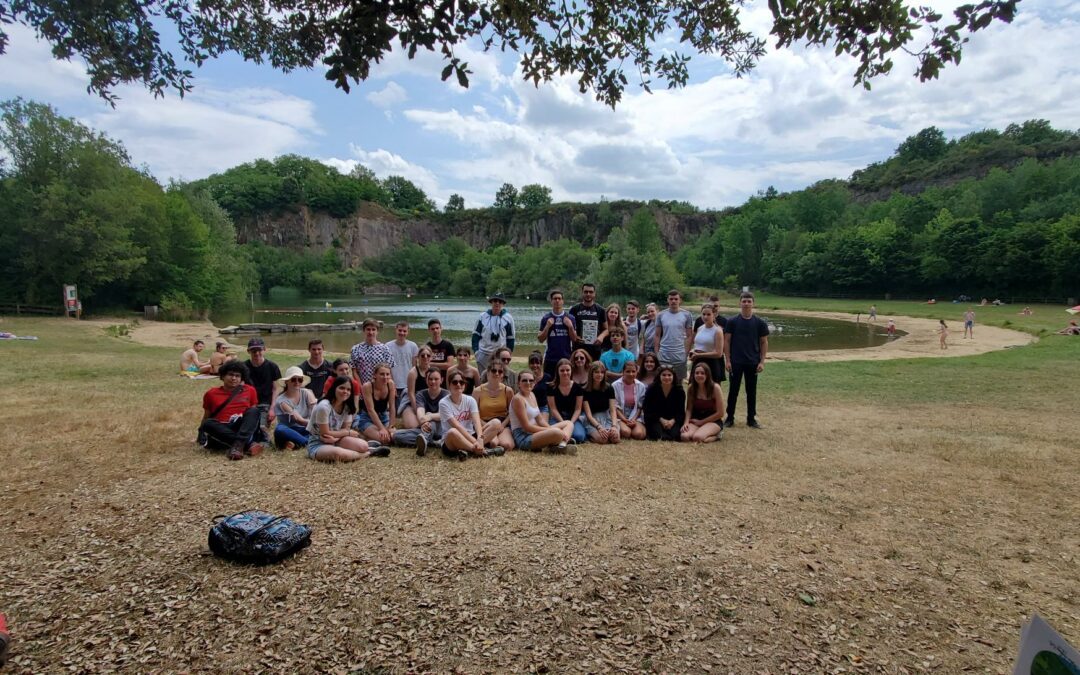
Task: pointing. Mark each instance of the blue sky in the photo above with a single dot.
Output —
(794, 120)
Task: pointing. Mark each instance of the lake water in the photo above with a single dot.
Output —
(458, 317)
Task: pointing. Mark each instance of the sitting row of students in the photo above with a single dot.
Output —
(350, 421)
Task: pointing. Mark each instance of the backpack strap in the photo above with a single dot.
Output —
(235, 391)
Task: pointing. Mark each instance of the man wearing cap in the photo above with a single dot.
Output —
(263, 373)
(316, 367)
(220, 357)
(365, 355)
(494, 329)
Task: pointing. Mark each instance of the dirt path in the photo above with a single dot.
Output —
(921, 339)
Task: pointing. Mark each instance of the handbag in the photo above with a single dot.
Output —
(257, 537)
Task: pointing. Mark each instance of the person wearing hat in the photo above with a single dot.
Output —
(262, 373)
(494, 330)
(293, 408)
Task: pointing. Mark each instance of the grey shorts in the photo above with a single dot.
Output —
(603, 418)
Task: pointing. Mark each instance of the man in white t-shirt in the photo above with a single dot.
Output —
(674, 335)
(404, 351)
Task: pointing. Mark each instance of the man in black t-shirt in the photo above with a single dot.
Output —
(442, 350)
(746, 344)
(316, 367)
(590, 320)
(263, 373)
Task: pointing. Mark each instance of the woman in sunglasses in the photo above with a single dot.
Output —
(292, 408)
(493, 400)
(529, 426)
(461, 423)
(579, 363)
(416, 381)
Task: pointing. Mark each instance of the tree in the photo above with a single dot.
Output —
(928, 144)
(121, 41)
(405, 195)
(630, 270)
(455, 203)
(534, 197)
(506, 198)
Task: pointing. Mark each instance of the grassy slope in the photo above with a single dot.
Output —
(927, 506)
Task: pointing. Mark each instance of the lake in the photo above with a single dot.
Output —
(458, 317)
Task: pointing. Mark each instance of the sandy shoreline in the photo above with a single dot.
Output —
(921, 339)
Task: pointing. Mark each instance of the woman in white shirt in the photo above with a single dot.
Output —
(529, 426)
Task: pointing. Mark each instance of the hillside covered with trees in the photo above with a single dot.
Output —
(991, 213)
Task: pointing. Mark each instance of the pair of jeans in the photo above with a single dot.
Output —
(287, 433)
(740, 371)
(239, 431)
(407, 437)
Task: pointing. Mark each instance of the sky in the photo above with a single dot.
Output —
(794, 120)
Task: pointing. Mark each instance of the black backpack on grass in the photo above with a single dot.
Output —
(257, 537)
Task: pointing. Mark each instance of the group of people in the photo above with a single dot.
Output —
(602, 377)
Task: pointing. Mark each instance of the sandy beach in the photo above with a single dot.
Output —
(920, 341)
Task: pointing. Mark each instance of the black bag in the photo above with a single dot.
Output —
(257, 537)
(202, 438)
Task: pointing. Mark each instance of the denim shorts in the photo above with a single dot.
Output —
(522, 438)
(363, 421)
(313, 446)
(603, 418)
(402, 401)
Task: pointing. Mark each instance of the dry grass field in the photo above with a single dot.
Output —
(892, 517)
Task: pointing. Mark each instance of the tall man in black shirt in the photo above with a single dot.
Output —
(316, 367)
(590, 319)
(263, 374)
(745, 348)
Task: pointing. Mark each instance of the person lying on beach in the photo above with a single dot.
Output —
(1071, 329)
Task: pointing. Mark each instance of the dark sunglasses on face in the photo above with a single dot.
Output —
(498, 371)
(525, 380)
(457, 382)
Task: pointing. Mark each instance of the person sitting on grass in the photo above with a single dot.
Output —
(231, 415)
(665, 406)
(629, 393)
(293, 408)
(598, 402)
(540, 384)
(616, 358)
(1071, 329)
(469, 372)
(564, 400)
(461, 422)
(580, 362)
(332, 438)
(415, 383)
(190, 363)
(379, 412)
(529, 426)
(429, 430)
(705, 407)
(493, 401)
(220, 357)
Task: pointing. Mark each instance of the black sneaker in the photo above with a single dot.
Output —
(421, 446)
(753, 424)
(379, 451)
(462, 455)
(497, 451)
(729, 422)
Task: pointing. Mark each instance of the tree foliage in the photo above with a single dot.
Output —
(534, 197)
(121, 42)
(76, 212)
(506, 198)
(406, 196)
(636, 262)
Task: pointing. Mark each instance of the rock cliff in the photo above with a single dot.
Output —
(372, 230)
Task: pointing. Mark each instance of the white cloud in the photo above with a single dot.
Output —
(385, 163)
(391, 95)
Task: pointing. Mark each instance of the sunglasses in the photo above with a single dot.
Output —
(505, 360)
(524, 380)
(580, 358)
(498, 371)
(297, 379)
(457, 382)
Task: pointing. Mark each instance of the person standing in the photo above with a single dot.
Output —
(316, 367)
(709, 345)
(365, 355)
(873, 313)
(494, 329)
(405, 352)
(558, 332)
(263, 375)
(746, 344)
(969, 324)
(590, 320)
(674, 335)
(442, 351)
(635, 333)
